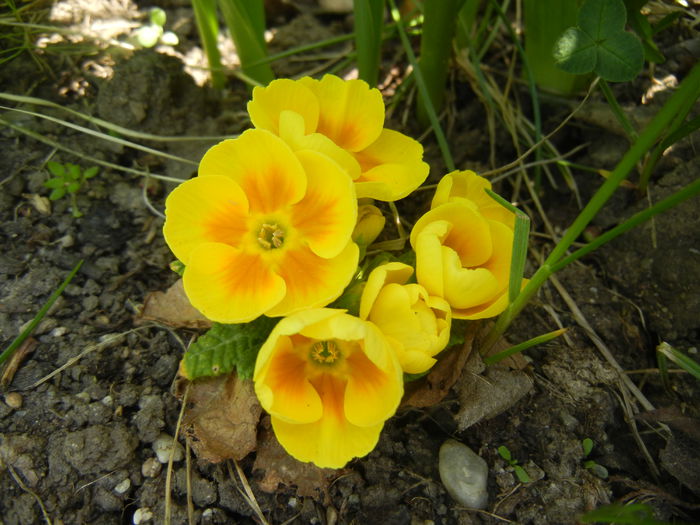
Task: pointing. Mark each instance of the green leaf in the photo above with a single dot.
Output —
(587, 446)
(602, 18)
(56, 169)
(521, 474)
(504, 452)
(620, 57)
(57, 193)
(73, 171)
(575, 52)
(54, 183)
(157, 16)
(633, 513)
(73, 187)
(225, 347)
(91, 172)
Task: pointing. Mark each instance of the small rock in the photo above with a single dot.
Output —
(151, 468)
(164, 447)
(14, 400)
(123, 486)
(142, 515)
(464, 474)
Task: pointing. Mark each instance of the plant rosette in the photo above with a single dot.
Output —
(273, 241)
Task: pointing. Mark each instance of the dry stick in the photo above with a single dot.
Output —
(26, 489)
(169, 473)
(188, 467)
(247, 492)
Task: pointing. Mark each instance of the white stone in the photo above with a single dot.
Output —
(123, 486)
(464, 474)
(142, 515)
(164, 446)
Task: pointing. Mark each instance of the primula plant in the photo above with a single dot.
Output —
(273, 241)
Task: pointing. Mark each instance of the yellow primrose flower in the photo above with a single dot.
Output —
(467, 186)
(370, 223)
(262, 229)
(464, 258)
(329, 381)
(343, 119)
(416, 323)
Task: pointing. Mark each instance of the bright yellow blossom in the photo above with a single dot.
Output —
(344, 120)
(329, 380)
(263, 229)
(370, 223)
(417, 324)
(467, 186)
(464, 257)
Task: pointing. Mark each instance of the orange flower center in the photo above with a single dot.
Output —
(325, 352)
(271, 236)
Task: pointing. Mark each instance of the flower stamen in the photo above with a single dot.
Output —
(270, 236)
(325, 352)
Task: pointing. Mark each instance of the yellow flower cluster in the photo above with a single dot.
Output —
(271, 226)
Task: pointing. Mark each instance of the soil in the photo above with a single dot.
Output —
(79, 446)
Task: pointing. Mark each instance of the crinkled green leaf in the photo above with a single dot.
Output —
(55, 168)
(225, 347)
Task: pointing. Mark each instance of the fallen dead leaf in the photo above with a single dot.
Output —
(15, 361)
(172, 308)
(221, 417)
(280, 467)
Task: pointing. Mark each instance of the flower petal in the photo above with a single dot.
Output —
(392, 272)
(264, 167)
(230, 286)
(280, 95)
(466, 287)
(211, 209)
(327, 214)
(427, 244)
(392, 167)
(312, 281)
(351, 113)
(331, 441)
(283, 387)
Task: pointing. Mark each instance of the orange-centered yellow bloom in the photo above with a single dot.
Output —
(344, 120)
(464, 257)
(416, 323)
(263, 229)
(329, 381)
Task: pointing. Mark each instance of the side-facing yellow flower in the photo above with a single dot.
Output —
(465, 258)
(344, 119)
(416, 323)
(466, 186)
(329, 381)
(370, 223)
(263, 229)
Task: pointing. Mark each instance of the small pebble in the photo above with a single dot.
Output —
(164, 446)
(151, 468)
(464, 474)
(14, 400)
(59, 331)
(123, 486)
(142, 515)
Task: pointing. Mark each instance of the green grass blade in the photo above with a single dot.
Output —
(420, 82)
(686, 363)
(521, 234)
(208, 27)
(245, 20)
(14, 345)
(617, 110)
(369, 18)
(520, 347)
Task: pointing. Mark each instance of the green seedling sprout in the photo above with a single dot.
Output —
(67, 180)
(520, 472)
(596, 469)
(152, 33)
(14, 345)
(631, 514)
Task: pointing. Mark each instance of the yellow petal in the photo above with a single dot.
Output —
(372, 395)
(229, 286)
(292, 132)
(283, 95)
(469, 235)
(392, 167)
(327, 214)
(466, 287)
(370, 223)
(351, 113)
(332, 441)
(427, 244)
(211, 209)
(393, 272)
(283, 388)
(312, 281)
(264, 167)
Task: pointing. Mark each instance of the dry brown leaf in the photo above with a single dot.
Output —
(172, 308)
(16, 359)
(280, 467)
(222, 416)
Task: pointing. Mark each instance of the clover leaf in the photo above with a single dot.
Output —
(600, 43)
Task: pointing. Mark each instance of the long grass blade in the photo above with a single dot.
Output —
(686, 363)
(521, 347)
(208, 27)
(369, 18)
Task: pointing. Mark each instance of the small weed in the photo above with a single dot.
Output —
(595, 469)
(519, 471)
(68, 179)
